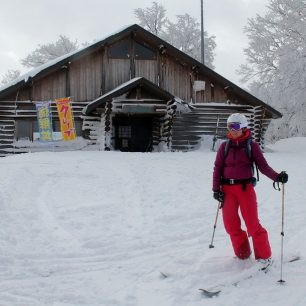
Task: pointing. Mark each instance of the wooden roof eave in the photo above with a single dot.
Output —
(273, 113)
(122, 89)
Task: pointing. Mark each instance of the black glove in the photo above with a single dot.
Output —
(282, 177)
(219, 196)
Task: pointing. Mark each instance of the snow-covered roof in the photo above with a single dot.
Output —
(33, 72)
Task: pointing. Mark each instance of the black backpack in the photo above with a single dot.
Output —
(248, 148)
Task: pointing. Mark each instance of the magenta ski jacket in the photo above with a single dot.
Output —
(237, 164)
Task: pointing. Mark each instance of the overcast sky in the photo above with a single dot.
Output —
(25, 24)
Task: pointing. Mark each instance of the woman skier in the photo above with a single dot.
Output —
(233, 187)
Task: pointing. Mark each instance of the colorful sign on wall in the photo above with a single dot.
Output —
(66, 118)
(43, 111)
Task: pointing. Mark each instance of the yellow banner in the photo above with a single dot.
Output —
(66, 118)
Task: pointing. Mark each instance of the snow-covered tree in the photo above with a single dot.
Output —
(184, 33)
(50, 51)
(9, 76)
(152, 18)
(276, 64)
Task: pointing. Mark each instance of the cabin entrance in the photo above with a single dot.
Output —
(133, 134)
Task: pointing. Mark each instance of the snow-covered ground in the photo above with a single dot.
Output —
(98, 228)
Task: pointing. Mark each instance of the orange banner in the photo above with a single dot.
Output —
(66, 118)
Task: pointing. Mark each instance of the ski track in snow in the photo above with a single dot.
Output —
(102, 228)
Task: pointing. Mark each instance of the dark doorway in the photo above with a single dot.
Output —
(133, 134)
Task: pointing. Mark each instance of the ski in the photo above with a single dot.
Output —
(210, 293)
(295, 258)
(163, 275)
(217, 289)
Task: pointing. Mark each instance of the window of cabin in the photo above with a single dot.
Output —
(124, 131)
(120, 49)
(144, 53)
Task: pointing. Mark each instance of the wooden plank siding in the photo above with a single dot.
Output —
(116, 73)
(20, 95)
(175, 78)
(86, 77)
(50, 87)
(147, 69)
(219, 95)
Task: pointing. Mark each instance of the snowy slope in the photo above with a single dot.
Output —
(97, 228)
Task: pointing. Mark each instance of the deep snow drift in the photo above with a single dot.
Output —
(98, 228)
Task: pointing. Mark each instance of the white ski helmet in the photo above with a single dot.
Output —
(238, 118)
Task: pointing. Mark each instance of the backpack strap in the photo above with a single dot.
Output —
(226, 148)
(250, 156)
(248, 148)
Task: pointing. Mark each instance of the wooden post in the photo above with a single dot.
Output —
(166, 125)
(67, 80)
(202, 34)
(108, 126)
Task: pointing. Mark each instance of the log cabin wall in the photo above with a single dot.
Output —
(100, 68)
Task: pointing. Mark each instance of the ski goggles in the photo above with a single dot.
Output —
(234, 126)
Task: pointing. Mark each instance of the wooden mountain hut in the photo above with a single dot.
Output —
(131, 91)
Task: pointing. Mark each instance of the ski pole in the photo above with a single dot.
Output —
(282, 234)
(215, 225)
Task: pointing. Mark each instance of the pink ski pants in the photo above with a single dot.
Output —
(236, 198)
